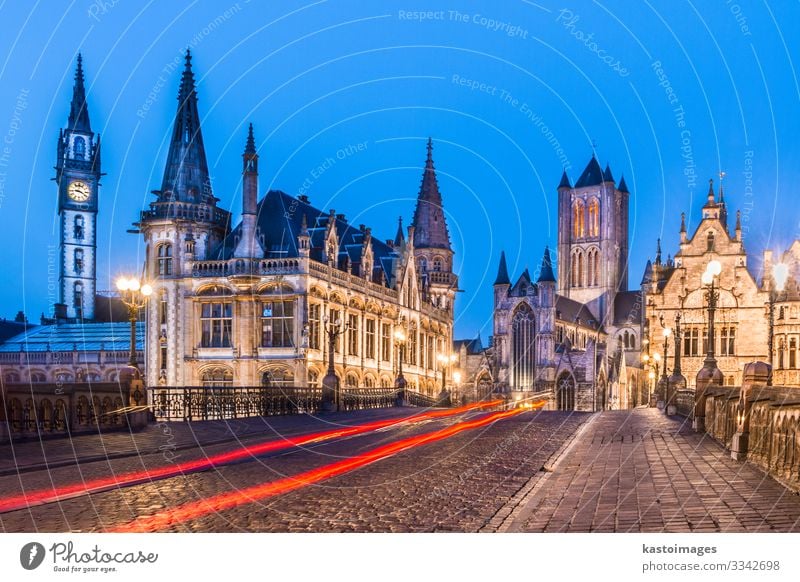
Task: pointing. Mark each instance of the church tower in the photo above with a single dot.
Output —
(432, 250)
(182, 225)
(78, 178)
(593, 239)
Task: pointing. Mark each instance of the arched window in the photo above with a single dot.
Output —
(369, 382)
(217, 377)
(313, 379)
(594, 217)
(710, 242)
(77, 299)
(423, 264)
(577, 268)
(351, 380)
(578, 219)
(565, 393)
(77, 228)
(80, 147)
(385, 382)
(77, 264)
(277, 377)
(523, 352)
(165, 260)
(437, 264)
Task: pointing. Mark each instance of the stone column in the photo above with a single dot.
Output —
(756, 375)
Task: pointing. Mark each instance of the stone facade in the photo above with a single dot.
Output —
(252, 305)
(674, 288)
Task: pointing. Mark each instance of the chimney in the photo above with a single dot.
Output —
(248, 246)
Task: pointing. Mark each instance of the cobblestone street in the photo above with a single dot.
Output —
(632, 471)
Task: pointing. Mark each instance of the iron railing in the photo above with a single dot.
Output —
(421, 400)
(361, 398)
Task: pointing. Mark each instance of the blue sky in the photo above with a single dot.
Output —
(669, 93)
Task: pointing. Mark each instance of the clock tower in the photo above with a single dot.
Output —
(78, 178)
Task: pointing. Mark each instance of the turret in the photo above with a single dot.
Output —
(248, 245)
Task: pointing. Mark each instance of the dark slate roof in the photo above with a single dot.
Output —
(570, 310)
(546, 274)
(502, 271)
(9, 329)
(78, 110)
(474, 346)
(592, 175)
(648, 273)
(429, 219)
(524, 280)
(607, 176)
(623, 187)
(564, 181)
(76, 336)
(279, 221)
(628, 307)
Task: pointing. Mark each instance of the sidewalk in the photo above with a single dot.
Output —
(639, 471)
(32, 455)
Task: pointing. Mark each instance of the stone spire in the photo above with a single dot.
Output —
(564, 181)
(186, 172)
(623, 187)
(683, 228)
(249, 245)
(78, 110)
(429, 221)
(648, 273)
(658, 252)
(607, 176)
(502, 271)
(546, 275)
(399, 238)
(711, 202)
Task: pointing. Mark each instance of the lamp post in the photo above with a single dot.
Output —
(663, 382)
(709, 375)
(676, 381)
(400, 381)
(444, 362)
(134, 295)
(330, 383)
(780, 273)
(651, 364)
(457, 385)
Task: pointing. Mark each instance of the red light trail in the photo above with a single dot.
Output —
(195, 509)
(43, 496)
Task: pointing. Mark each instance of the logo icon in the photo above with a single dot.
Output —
(31, 555)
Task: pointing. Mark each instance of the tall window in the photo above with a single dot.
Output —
(691, 338)
(781, 352)
(523, 349)
(727, 341)
(162, 308)
(594, 217)
(369, 348)
(413, 337)
(277, 377)
(710, 242)
(352, 334)
(78, 261)
(216, 322)
(437, 264)
(565, 393)
(277, 324)
(793, 353)
(423, 264)
(77, 299)
(386, 342)
(577, 268)
(165, 260)
(78, 227)
(80, 147)
(578, 219)
(314, 325)
(430, 358)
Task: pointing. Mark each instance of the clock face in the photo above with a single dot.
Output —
(78, 191)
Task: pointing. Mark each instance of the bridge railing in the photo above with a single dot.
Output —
(192, 403)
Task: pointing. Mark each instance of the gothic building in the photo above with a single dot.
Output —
(677, 298)
(253, 304)
(574, 338)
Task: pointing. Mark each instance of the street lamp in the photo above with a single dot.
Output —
(709, 374)
(400, 381)
(457, 384)
(330, 383)
(444, 362)
(780, 273)
(134, 295)
(663, 382)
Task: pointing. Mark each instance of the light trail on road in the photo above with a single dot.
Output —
(195, 509)
(52, 495)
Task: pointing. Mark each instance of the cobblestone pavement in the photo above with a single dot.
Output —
(463, 483)
(639, 471)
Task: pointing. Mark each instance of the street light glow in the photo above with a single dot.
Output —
(399, 335)
(657, 357)
(122, 284)
(133, 284)
(147, 290)
(667, 331)
(714, 267)
(707, 278)
(780, 272)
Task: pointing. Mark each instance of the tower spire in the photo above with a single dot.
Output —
(399, 238)
(502, 271)
(186, 173)
(248, 245)
(78, 110)
(546, 274)
(429, 221)
(658, 252)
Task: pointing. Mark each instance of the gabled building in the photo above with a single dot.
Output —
(673, 289)
(251, 304)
